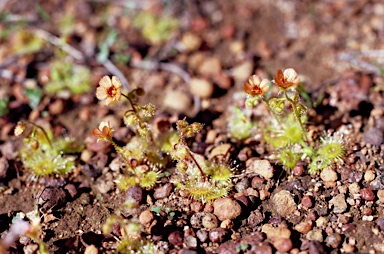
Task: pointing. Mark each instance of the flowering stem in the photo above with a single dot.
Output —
(203, 177)
(44, 132)
(272, 112)
(130, 102)
(119, 150)
(293, 104)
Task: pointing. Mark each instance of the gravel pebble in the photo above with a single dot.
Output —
(201, 87)
(339, 204)
(307, 201)
(328, 175)
(275, 232)
(202, 235)
(262, 168)
(210, 221)
(369, 175)
(134, 193)
(315, 235)
(255, 218)
(146, 217)
(284, 203)
(176, 238)
(210, 66)
(380, 195)
(242, 185)
(354, 188)
(380, 223)
(304, 227)
(190, 241)
(282, 244)
(228, 247)
(163, 191)
(226, 208)
(177, 101)
(51, 197)
(367, 194)
(373, 136)
(218, 235)
(333, 240)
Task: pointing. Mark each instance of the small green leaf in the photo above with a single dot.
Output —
(34, 96)
(156, 209)
(4, 107)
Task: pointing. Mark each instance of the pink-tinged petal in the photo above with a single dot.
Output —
(105, 82)
(116, 82)
(101, 93)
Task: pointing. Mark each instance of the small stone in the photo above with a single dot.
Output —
(315, 235)
(177, 101)
(91, 249)
(163, 191)
(51, 197)
(373, 136)
(71, 189)
(264, 194)
(190, 241)
(380, 223)
(242, 71)
(226, 209)
(201, 87)
(184, 193)
(115, 164)
(228, 247)
(202, 235)
(228, 224)
(306, 201)
(263, 248)
(255, 218)
(298, 170)
(328, 175)
(355, 176)
(354, 188)
(190, 41)
(146, 217)
(219, 151)
(105, 186)
(210, 66)
(196, 206)
(283, 245)
(348, 248)
(333, 240)
(242, 185)
(134, 193)
(218, 235)
(304, 227)
(369, 175)
(367, 194)
(241, 198)
(208, 208)
(378, 183)
(321, 222)
(284, 203)
(3, 167)
(339, 204)
(86, 155)
(196, 219)
(380, 195)
(56, 107)
(257, 182)
(176, 238)
(210, 221)
(262, 168)
(275, 232)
